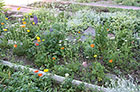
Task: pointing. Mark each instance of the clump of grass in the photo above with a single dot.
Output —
(124, 85)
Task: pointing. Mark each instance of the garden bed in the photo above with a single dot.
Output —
(86, 45)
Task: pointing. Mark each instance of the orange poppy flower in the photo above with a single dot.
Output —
(92, 45)
(23, 26)
(24, 22)
(40, 74)
(38, 40)
(110, 61)
(15, 45)
(107, 29)
(79, 32)
(62, 48)
(36, 71)
(36, 44)
(101, 57)
(53, 58)
(2, 23)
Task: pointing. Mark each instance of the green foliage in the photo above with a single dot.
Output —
(52, 42)
(25, 81)
(116, 20)
(73, 66)
(88, 51)
(61, 70)
(128, 2)
(22, 48)
(98, 71)
(101, 39)
(1, 6)
(5, 72)
(2, 19)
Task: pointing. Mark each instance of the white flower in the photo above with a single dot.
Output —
(66, 74)
(10, 42)
(112, 38)
(125, 40)
(15, 42)
(84, 64)
(74, 40)
(118, 49)
(60, 41)
(60, 44)
(21, 43)
(87, 56)
(66, 39)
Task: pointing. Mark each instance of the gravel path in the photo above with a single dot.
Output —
(14, 4)
(104, 5)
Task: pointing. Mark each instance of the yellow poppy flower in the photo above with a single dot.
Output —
(30, 14)
(46, 70)
(33, 23)
(28, 31)
(38, 38)
(18, 8)
(43, 40)
(6, 18)
(23, 19)
(95, 56)
(4, 29)
(99, 79)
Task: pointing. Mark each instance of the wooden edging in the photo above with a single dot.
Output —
(55, 77)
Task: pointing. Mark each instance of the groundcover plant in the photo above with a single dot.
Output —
(24, 81)
(85, 45)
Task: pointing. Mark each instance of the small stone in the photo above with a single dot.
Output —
(111, 36)
(70, 38)
(111, 76)
(90, 31)
(1, 36)
(83, 38)
(85, 64)
(10, 42)
(31, 19)
(17, 16)
(45, 33)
